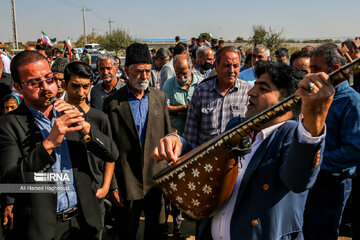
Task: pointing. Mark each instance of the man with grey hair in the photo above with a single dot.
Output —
(58, 68)
(204, 61)
(162, 56)
(217, 99)
(179, 90)
(107, 68)
(260, 53)
(167, 71)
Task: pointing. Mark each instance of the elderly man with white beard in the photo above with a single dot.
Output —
(139, 118)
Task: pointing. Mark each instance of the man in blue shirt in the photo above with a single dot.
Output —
(36, 138)
(139, 118)
(328, 197)
(260, 53)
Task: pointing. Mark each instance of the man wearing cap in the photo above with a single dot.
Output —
(58, 68)
(139, 118)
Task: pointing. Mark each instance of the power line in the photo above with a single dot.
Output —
(70, 4)
(100, 17)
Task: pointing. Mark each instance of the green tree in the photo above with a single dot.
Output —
(91, 38)
(239, 40)
(118, 40)
(207, 36)
(271, 38)
(259, 35)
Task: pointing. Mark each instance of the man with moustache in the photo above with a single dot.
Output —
(107, 67)
(218, 99)
(34, 138)
(268, 199)
(58, 68)
(139, 118)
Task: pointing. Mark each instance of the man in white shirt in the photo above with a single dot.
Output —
(271, 188)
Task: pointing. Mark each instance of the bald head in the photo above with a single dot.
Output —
(182, 60)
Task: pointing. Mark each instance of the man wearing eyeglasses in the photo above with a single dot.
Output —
(139, 119)
(260, 53)
(35, 138)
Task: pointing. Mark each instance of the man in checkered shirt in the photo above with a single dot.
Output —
(217, 99)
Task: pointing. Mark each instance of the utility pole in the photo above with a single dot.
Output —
(110, 22)
(15, 38)
(84, 21)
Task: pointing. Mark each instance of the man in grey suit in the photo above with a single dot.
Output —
(139, 118)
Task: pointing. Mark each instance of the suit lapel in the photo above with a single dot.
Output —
(254, 162)
(152, 113)
(125, 112)
(29, 125)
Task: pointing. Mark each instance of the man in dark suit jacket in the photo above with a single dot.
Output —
(139, 119)
(28, 144)
(271, 188)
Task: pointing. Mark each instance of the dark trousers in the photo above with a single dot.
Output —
(355, 207)
(74, 229)
(175, 213)
(324, 207)
(68, 230)
(129, 217)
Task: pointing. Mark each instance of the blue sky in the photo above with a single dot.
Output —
(187, 18)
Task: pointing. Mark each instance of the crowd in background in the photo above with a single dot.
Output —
(183, 76)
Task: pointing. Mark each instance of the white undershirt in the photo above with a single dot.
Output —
(220, 225)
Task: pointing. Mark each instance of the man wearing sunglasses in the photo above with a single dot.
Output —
(43, 139)
(260, 53)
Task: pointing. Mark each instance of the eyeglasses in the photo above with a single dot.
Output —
(38, 83)
(139, 71)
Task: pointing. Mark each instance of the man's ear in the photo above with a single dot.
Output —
(336, 67)
(18, 88)
(64, 85)
(126, 68)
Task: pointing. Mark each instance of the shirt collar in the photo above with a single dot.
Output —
(38, 114)
(116, 87)
(214, 86)
(131, 94)
(267, 131)
(341, 86)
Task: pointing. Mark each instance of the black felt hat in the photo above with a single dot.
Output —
(137, 53)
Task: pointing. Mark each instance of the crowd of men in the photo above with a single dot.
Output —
(111, 130)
